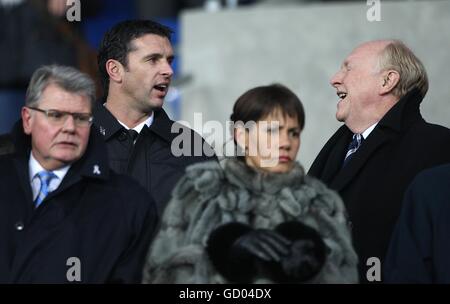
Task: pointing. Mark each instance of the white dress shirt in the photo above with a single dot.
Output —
(35, 167)
(369, 130)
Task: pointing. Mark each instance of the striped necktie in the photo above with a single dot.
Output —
(353, 147)
(45, 177)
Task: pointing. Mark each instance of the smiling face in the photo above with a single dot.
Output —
(56, 145)
(273, 143)
(358, 85)
(146, 79)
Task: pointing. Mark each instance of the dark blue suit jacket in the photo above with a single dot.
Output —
(420, 247)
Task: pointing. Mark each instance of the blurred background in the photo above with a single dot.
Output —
(225, 47)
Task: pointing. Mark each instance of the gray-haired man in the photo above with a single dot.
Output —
(64, 216)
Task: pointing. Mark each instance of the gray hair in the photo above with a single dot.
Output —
(397, 56)
(66, 77)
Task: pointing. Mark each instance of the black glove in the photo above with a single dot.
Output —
(306, 257)
(302, 262)
(264, 244)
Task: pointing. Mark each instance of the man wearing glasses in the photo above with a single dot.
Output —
(64, 216)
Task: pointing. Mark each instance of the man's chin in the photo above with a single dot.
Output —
(67, 158)
(156, 105)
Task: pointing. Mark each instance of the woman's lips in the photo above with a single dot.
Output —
(284, 159)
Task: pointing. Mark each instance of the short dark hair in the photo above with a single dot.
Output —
(116, 43)
(259, 102)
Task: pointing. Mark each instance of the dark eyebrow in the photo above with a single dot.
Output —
(152, 56)
(158, 56)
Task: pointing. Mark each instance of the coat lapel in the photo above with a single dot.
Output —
(374, 141)
(24, 179)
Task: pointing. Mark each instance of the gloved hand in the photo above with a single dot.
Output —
(306, 257)
(267, 245)
(303, 262)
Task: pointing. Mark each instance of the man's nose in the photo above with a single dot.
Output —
(69, 124)
(336, 79)
(167, 69)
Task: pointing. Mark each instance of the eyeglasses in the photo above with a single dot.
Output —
(59, 117)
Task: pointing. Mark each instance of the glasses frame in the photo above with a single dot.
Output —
(65, 114)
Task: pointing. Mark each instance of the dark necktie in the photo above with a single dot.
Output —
(133, 135)
(353, 147)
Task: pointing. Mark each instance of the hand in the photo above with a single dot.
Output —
(265, 244)
(304, 261)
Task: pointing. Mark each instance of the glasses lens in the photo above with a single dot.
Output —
(56, 116)
(82, 119)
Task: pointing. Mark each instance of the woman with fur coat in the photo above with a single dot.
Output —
(256, 218)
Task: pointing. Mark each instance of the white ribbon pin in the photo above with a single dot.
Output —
(102, 130)
(96, 170)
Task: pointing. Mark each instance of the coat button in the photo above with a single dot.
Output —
(19, 226)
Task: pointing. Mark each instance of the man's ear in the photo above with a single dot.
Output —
(390, 79)
(115, 70)
(27, 120)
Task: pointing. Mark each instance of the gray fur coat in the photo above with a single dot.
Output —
(209, 196)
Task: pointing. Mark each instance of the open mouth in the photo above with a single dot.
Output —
(162, 87)
(341, 95)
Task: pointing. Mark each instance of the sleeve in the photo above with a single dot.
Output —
(328, 216)
(409, 258)
(235, 266)
(142, 218)
(174, 257)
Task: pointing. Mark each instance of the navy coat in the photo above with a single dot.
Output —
(420, 247)
(104, 220)
(373, 182)
(150, 160)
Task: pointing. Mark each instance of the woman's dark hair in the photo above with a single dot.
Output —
(259, 102)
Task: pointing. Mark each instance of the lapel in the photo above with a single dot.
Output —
(338, 145)
(21, 165)
(374, 141)
(398, 119)
(93, 165)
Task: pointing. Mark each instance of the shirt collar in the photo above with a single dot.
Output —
(35, 167)
(108, 125)
(140, 126)
(367, 132)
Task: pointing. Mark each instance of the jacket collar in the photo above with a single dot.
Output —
(108, 125)
(405, 112)
(243, 176)
(93, 164)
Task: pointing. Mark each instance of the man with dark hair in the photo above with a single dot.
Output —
(64, 216)
(134, 60)
(384, 143)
